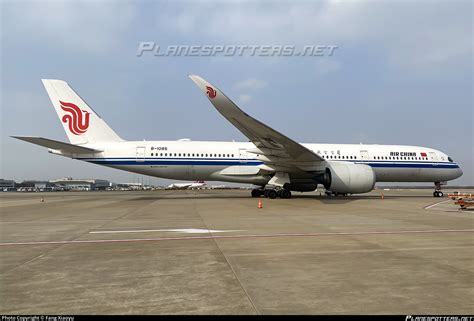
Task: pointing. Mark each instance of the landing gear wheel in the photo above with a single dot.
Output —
(256, 193)
(438, 192)
(285, 193)
(265, 193)
(272, 194)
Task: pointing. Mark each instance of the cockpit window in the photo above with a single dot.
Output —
(450, 159)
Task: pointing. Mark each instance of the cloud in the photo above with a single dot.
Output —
(244, 98)
(93, 27)
(250, 84)
(326, 66)
(407, 33)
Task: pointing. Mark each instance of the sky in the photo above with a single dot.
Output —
(401, 74)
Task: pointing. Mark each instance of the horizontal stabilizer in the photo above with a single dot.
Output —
(56, 145)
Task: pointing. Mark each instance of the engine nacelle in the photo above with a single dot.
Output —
(349, 178)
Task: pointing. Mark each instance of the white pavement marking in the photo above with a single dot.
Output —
(179, 230)
(435, 204)
(240, 236)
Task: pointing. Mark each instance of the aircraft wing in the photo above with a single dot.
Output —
(57, 145)
(280, 149)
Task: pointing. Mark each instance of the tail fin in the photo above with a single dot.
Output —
(80, 121)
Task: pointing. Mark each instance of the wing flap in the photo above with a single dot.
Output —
(57, 145)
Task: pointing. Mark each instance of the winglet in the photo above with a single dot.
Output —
(218, 99)
(210, 90)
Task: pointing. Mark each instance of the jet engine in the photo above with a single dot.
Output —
(347, 178)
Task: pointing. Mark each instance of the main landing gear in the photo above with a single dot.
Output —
(275, 187)
(437, 192)
(271, 193)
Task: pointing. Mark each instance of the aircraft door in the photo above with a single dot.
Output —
(140, 154)
(364, 155)
(242, 155)
(434, 158)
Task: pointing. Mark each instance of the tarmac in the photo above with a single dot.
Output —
(215, 252)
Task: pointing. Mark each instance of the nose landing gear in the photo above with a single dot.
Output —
(438, 192)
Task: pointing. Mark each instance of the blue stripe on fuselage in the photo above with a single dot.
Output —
(175, 162)
(409, 165)
(232, 162)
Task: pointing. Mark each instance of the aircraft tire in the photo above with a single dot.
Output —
(285, 193)
(272, 194)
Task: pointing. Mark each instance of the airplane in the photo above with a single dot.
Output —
(195, 184)
(273, 162)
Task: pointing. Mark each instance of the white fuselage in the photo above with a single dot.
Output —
(232, 161)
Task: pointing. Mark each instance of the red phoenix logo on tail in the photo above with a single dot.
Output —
(211, 92)
(76, 119)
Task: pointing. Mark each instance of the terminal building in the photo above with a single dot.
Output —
(69, 183)
(7, 184)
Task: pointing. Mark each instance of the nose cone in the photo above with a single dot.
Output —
(458, 172)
